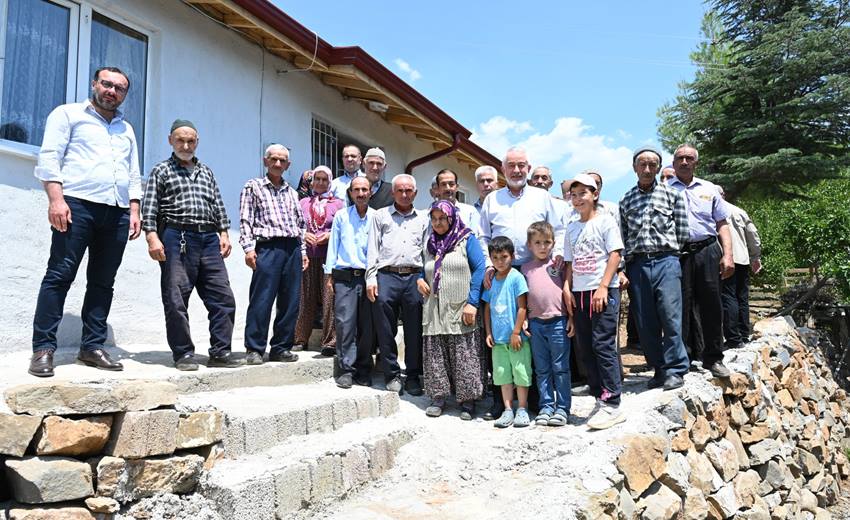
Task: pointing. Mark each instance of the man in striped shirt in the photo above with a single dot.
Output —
(272, 230)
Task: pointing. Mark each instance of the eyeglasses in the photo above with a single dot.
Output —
(108, 85)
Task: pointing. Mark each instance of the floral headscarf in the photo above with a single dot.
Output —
(441, 245)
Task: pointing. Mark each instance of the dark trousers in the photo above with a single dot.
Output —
(103, 230)
(702, 312)
(398, 296)
(277, 278)
(735, 294)
(199, 267)
(353, 320)
(658, 301)
(597, 334)
(632, 334)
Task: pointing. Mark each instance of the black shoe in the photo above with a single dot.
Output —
(344, 381)
(657, 380)
(494, 412)
(186, 363)
(41, 364)
(283, 357)
(98, 358)
(328, 351)
(718, 369)
(412, 386)
(467, 411)
(673, 382)
(227, 360)
(253, 358)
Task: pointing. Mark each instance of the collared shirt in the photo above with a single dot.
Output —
(349, 239)
(478, 205)
(504, 214)
(339, 186)
(176, 195)
(266, 211)
(654, 220)
(94, 159)
(705, 207)
(470, 216)
(746, 243)
(395, 239)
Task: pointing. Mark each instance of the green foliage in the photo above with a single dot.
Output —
(771, 97)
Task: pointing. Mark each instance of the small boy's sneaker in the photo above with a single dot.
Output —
(522, 420)
(543, 417)
(605, 417)
(505, 420)
(559, 418)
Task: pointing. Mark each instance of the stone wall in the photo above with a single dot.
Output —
(768, 443)
(81, 450)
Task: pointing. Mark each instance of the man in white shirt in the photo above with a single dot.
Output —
(89, 165)
(351, 160)
(447, 190)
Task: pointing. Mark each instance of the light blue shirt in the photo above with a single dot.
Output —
(705, 207)
(501, 297)
(94, 159)
(349, 239)
(470, 216)
(339, 186)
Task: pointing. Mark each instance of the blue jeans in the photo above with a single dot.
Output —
(550, 350)
(657, 289)
(103, 230)
(277, 278)
(200, 267)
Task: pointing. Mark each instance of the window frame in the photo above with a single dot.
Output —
(77, 81)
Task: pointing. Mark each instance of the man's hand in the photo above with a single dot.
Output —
(558, 262)
(59, 215)
(372, 292)
(156, 249)
(305, 262)
(224, 246)
(727, 267)
(624, 280)
(423, 288)
(251, 259)
(135, 220)
(755, 265)
(600, 299)
(489, 273)
(469, 313)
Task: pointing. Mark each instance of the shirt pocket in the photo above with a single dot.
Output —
(662, 217)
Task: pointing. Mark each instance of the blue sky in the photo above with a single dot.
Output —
(577, 83)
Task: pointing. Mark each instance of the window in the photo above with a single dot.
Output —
(328, 144)
(51, 50)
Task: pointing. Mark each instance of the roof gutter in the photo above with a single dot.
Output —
(436, 155)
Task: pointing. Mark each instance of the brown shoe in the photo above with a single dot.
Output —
(41, 364)
(98, 358)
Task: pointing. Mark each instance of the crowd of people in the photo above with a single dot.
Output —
(517, 294)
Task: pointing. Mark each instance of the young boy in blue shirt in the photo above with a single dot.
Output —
(504, 316)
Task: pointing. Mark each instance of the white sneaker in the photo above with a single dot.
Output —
(605, 417)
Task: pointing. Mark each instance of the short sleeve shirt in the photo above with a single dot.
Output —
(589, 244)
(501, 297)
(545, 289)
(705, 207)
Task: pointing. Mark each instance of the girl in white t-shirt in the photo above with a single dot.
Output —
(593, 254)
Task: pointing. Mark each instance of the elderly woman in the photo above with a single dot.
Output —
(451, 287)
(303, 188)
(318, 209)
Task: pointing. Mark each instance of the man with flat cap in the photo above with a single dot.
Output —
(186, 227)
(654, 225)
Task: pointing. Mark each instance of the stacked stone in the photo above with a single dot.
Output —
(768, 443)
(80, 450)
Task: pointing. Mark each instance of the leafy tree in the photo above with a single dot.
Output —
(769, 106)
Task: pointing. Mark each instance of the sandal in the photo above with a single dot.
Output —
(436, 408)
(542, 418)
(559, 418)
(505, 420)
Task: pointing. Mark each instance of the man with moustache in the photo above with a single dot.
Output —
(382, 191)
(89, 166)
(447, 190)
(486, 180)
(351, 161)
(186, 227)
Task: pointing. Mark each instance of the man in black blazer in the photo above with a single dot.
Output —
(382, 191)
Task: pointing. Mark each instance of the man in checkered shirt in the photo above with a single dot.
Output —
(186, 227)
(654, 224)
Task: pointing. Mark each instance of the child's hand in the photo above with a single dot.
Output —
(525, 328)
(600, 298)
(516, 341)
(569, 301)
(489, 341)
(571, 327)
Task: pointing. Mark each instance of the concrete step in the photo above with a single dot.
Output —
(258, 418)
(304, 471)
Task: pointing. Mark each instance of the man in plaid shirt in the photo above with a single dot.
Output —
(271, 232)
(654, 224)
(187, 232)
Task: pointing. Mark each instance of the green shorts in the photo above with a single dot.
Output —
(512, 366)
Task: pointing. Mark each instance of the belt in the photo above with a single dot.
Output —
(401, 270)
(693, 247)
(650, 256)
(197, 228)
(546, 321)
(347, 274)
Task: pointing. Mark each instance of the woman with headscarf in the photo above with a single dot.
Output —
(304, 182)
(318, 210)
(451, 287)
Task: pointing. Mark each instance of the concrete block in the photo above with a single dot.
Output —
(66, 398)
(292, 489)
(387, 403)
(344, 412)
(143, 434)
(16, 432)
(320, 418)
(325, 477)
(381, 456)
(251, 499)
(40, 480)
(355, 468)
(367, 407)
